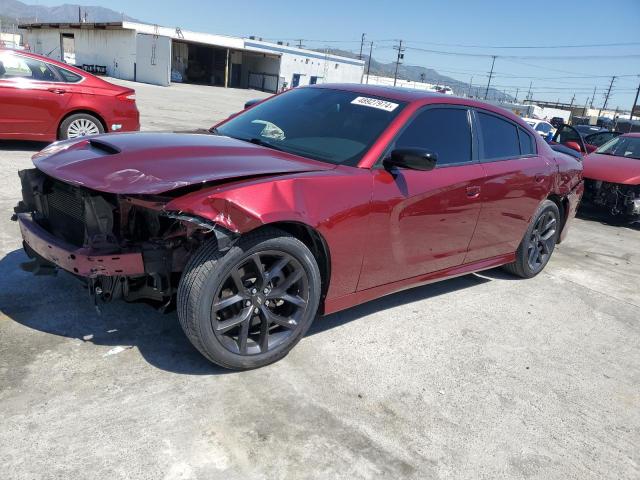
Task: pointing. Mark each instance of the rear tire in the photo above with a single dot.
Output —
(80, 125)
(535, 249)
(249, 306)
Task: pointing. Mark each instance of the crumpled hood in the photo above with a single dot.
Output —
(612, 169)
(153, 163)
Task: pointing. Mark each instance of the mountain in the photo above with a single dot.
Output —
(13, 11)
(422, 74)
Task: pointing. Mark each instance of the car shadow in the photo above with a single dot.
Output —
(61, 306)
(22, 145)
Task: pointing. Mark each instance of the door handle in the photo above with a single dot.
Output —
(58, 91)
(473, 191)
(539, 178)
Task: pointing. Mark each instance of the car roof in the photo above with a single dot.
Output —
(392, 93)
(411, 95)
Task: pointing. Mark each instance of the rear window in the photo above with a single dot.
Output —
(527, 145)
(499, 137)
(67, 75)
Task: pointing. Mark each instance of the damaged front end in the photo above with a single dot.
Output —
(122, 246)
(618, 199)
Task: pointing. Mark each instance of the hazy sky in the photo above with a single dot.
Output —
(477, 27)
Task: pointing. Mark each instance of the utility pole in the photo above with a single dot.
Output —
(486, 92)
(361, 45)
(517, 90)
(400, 57)
(606, 98)
(529, 93)
(572, 100)
(593, 97)
(369, 63)
(470, 86)
(300, 40)
(634, 103)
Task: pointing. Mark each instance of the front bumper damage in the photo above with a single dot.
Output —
(618, 199)
(120, 246)
(79, 261)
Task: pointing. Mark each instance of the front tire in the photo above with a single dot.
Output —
(249, 306)
(80, 125)
(538, 243)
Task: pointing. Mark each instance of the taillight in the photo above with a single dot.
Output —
(128, 96)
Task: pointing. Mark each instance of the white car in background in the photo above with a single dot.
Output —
(544, 128)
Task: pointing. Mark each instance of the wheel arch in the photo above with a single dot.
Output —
(563, 206)
(75, 111)
(315, 242)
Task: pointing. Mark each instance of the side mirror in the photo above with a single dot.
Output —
(252, 102)
(411, 158)
(573, 146)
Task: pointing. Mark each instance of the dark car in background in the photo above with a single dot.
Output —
(556, 122)
(45, 100)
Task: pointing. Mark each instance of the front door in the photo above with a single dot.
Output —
(423, 221)
(295, 81)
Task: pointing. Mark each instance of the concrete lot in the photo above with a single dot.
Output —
(483, 376)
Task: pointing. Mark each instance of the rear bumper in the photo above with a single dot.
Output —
(573, 197)
(79, 261)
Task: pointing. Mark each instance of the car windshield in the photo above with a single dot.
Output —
(333, 126)
(621, 147)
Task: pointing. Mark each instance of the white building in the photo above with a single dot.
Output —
(389, 82)
(160, 55)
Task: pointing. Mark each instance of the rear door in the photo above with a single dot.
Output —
(516, 180)
(422, 221)
(31, 94)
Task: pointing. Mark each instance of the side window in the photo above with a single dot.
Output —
(527, 145)
(444, 131)
(599, 139)
(67, 75)
(499, 137)
(15, 66)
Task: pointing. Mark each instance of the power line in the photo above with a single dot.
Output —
(606, 98)
(400, 49)
(361, 45)
(490, 75)
(517, 47)
(533, 57)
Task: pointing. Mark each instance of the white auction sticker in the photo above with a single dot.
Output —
(375, 103)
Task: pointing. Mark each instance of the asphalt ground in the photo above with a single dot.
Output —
(482, 376)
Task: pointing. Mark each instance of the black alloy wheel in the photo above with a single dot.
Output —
(260, 303)
(542, 241)
(535, 249)
(248, 306)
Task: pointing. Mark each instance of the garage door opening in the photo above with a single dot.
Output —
(223, 67)
(199, 64)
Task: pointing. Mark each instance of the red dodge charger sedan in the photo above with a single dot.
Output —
(44, 100)
(313, 201)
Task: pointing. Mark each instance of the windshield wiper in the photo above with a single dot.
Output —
(262, 143)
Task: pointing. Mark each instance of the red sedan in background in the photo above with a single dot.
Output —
(612, 176)
(45, 100)
(313, 201)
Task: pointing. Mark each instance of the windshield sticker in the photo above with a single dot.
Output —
(375, 103)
